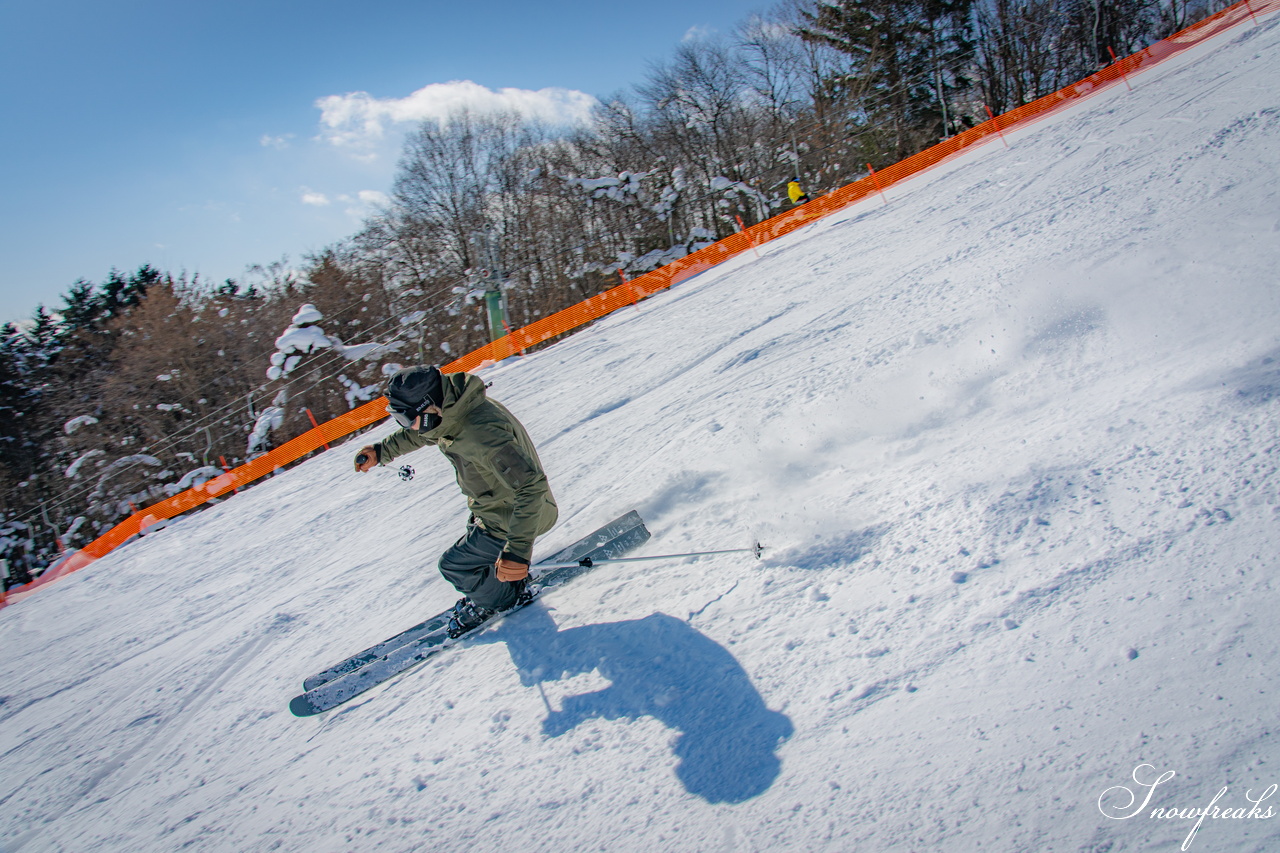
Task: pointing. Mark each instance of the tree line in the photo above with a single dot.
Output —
(145, 384)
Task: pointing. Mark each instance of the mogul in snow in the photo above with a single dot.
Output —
(498, 470)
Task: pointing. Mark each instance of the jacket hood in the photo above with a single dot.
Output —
(462, 393)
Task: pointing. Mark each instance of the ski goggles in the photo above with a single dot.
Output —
(403, 415)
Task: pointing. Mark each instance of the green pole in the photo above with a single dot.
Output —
(493, 296)
(497, 322)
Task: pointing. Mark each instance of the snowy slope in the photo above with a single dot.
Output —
(1011, 439)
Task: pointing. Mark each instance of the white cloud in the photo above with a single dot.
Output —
(359, 121)
(314, 198)
(277, 142)
(364, 203)
(697, 33)
(759, 28)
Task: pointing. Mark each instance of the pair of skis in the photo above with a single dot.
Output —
(373, 666)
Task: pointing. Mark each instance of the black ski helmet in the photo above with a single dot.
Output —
(413, 389)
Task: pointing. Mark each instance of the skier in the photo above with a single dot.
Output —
(795, 193)
(498, 471)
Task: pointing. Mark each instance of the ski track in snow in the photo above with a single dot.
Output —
(1011, 440)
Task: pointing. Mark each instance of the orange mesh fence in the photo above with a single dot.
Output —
(645, 285)
(141, 521)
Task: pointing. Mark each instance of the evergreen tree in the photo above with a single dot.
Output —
(16, 400)
(80, 306)
(906, 63)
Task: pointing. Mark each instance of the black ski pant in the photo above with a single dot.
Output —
(469, 566)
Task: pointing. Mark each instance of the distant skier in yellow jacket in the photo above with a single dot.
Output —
(794, 192)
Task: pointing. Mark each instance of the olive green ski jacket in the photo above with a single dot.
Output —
(495, 461)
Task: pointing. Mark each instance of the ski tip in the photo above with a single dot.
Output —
(300, 707)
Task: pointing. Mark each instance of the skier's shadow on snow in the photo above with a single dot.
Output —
(659, 667)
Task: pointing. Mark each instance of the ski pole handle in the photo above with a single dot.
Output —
(365, 459)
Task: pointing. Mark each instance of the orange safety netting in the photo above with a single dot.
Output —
(633, 291)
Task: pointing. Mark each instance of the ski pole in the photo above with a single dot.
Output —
(587, 562)
(406, 472)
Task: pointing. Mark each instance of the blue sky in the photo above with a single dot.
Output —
(208, 137)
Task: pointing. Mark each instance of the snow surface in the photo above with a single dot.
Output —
(1011, 441)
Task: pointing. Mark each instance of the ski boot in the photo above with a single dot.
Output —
(465, 616)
